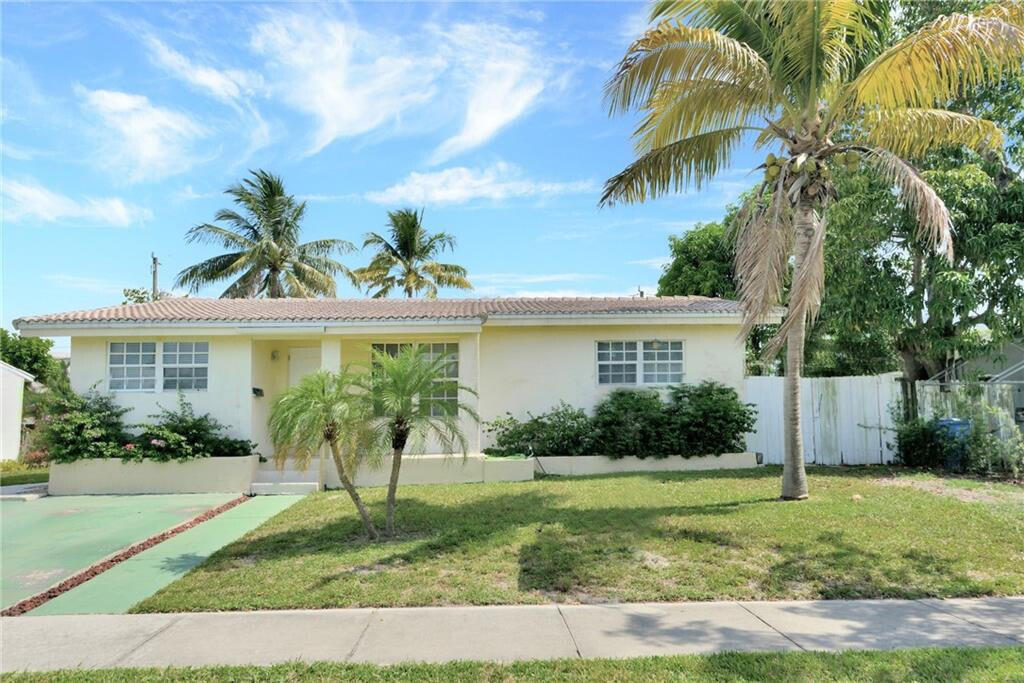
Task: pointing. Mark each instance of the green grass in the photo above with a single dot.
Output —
(17, 473)
(645, 537)
(948, 664)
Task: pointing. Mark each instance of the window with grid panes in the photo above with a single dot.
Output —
(639, 362)
(186, 366)
(131, 366)
(446, 388)
(663, 362)
(616, 362)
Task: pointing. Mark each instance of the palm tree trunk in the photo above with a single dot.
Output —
(371, 530)
(794, 477)
(396, 465)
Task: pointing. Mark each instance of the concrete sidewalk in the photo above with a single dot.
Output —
(440, 634)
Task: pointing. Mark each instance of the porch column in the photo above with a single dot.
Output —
(330, 354)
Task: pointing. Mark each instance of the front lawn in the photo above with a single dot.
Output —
(643, 537)
(946, 664)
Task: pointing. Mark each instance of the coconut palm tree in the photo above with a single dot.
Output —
(266, 257)
(416, 396)
(405, 259)
(323, 408)
(809, 80)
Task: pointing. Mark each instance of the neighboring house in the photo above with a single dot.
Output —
(233, 357)
(12, 395)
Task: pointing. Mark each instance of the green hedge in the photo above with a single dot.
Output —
(702, 419)
(79, 427)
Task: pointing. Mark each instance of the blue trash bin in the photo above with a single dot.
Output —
(957, 429)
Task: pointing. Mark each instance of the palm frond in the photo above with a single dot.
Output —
(941, 61)
(672, 52)
(808, 286)
(695, 160)
(213, 270)
(915, 132)
(930, 213)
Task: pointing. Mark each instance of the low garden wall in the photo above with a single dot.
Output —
(116, 476)
(600, 464)
(441, 469)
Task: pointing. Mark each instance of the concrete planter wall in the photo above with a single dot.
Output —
(440, 469)
(600, 464)
(107, 476)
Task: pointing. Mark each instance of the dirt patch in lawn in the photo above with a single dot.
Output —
(940, 487)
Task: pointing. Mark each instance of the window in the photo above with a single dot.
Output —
(132, 366)
(445, 388)
(186, 365)
(663, 362)
(616, 362)
(631, 362)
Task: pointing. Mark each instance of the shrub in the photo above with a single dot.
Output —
(564, 430)
(707, 418)
(631, 422)
(924, 443)
(181, 434)
(88, 426)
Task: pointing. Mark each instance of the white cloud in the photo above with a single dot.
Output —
(657, 263)
(226, 85)
(635, 24)
(188, 193)
(461, 184)
(519, 279)
(503, 75)
(143, 140)
(26, 201)
(349, 80)
(86, 284)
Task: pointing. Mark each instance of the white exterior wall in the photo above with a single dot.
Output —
(12, 394)
(531, 369)
(228, 398)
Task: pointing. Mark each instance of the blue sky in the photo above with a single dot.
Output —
(123, 123)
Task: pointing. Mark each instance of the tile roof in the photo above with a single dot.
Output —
(345, 310)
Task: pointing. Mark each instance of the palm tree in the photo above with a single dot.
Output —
(811, 80)
(406, 260)
(266, 258)
(414, 393)
(323, 408)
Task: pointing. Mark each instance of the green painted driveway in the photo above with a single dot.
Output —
(45, 541)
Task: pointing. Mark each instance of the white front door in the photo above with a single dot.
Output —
(302, 361)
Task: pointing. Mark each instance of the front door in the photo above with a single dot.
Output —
(302, 361)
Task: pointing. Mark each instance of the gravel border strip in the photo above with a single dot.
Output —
(81, 577)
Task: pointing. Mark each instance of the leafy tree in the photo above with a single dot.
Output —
(406, 259)
(401, 388)
(701, 264)
(324, 408)
(810, 80)
(141, 295)
(31, 354)
(266, 257)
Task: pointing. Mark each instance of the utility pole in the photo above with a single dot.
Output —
(153, 268)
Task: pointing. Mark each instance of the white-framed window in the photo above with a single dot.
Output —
(639, 362)
(186, 365)
(445, 388)
(131, 366)
(137, 365)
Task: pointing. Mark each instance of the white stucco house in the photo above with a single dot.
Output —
(233, 357)
(12, 393)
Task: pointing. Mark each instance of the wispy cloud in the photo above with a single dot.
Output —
(657, 263)
(519, 279)
(634, 25)
(85, 284)
(188, 193)
(461, 184)
(349, 80)
(29, 201)
(503, 75)
(227, 85)
(143, 140)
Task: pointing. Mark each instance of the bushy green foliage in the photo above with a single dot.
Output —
(631, 422)
(562, 431)
(702, 419)
(77, 427)
(31, 354)
(707, 418)
(923, 443)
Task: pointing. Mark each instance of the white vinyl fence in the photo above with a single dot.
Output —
(846, 420)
